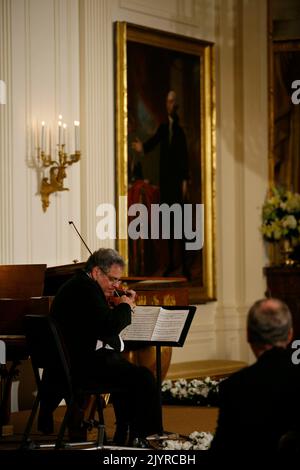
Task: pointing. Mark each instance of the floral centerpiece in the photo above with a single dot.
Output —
(191, 392)
(281, 221)
(281, 216)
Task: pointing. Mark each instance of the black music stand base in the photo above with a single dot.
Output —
(161, 433)
(158, 379)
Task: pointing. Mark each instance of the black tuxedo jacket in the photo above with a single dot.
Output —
(173, 163)
(84, 316)
(258, 404)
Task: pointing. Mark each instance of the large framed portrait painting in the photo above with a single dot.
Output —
(165, 156)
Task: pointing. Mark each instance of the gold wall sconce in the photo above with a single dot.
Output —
(57, 168)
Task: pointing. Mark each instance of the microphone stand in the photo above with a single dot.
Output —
(72, 223)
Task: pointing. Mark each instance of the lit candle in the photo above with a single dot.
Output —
(43, 137)
(64, 134)
(50, 144)
(33, 141)
(59, 132)
(37, 137)
(77, 142)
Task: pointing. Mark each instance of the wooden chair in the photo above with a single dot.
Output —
(47, 350)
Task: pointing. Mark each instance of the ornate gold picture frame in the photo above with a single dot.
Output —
(284, 115)
(151, 68)
(283, 88)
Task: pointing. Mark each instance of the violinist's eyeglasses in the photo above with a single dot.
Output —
(112, 279)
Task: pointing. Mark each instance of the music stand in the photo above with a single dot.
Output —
(178, 343)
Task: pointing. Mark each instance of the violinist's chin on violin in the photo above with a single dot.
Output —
(126, 296)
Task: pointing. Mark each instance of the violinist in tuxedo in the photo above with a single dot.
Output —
(90, 327)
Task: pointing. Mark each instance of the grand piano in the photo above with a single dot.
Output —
(21, 290)
(151, 291)
(30, 288)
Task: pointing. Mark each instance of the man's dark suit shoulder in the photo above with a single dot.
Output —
(276, 363)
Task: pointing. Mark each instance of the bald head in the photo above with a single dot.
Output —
(269, 323)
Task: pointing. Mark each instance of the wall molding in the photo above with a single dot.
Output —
(186, 12)
(28, 136)
(6, 141)
(98, 166)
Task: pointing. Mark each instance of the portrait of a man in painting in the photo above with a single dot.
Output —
(163, 145)
(164, 136)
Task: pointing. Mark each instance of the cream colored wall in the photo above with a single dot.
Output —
(242, 168)
(40, 64)
(42, 44)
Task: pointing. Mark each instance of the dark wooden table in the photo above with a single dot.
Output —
(284, 283)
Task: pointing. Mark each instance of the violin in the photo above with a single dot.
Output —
(120, 292)
(115, 299)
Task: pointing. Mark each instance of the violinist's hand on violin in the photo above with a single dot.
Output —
(129, 298)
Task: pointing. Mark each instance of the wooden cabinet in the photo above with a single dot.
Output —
(284, 284)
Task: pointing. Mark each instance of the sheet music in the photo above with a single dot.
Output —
(142, 324)
(169, 325)
(155, 324)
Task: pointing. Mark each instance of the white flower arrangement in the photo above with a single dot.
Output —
(281, 216)
(196, 391)
(190, 392)
(196, 441)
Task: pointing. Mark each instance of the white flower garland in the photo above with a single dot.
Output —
(197, 441)
(196, 391)
(192, 390)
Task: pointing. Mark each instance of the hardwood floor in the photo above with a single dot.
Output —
(177, 419)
